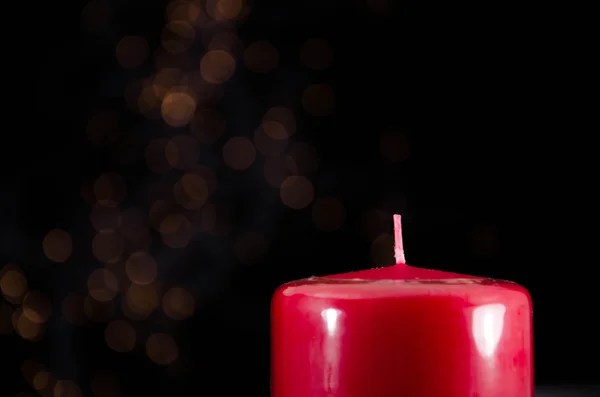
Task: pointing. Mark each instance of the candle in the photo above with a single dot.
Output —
(401, 331)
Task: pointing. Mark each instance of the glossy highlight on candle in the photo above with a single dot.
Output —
(401, 331)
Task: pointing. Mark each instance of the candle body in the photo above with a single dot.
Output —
(401, 331)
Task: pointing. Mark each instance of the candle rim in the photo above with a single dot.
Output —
(322, 287)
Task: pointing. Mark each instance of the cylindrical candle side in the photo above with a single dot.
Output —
(386, 338)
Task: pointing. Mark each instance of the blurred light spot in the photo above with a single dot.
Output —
(170, 224)
(132, 51)
(13, 284)
(225, 40)
(58, 245)
(140, 301)
(105, 216)
(203, 220)
(156, 88)
(279, 122)
(132, 94)
(164, 59)
(178, 304)
(67, 388)
(165, 86)
(98, 311)
(41, 380)
(29, 369)
(134, 224)
(222, 10)
(178, 107)
(102, 285)
(205, 93)
(150, 100)
(239, 153)
(156, 158)
(316, 54)
(161, 191)
(177, 37)
(382, 250)
(261, 57)
(87, 192)
(103, 128)
(107, 246)
(73, 310)
(36, 307)
(140, 243)
(394, 146)
(275, 129)
(223, 219)
(319, 100)
(277, 169)
(244, 13)
(206, 174)
(268, 145)
(328, 214)
(217, 66)
(44, 382)
(191, 191)
(6, 313)
(166, 79)
(182, 152)
(141, 268)
(120, 336)
(186, 11)
(111, 187)
(305, 158)
(48, 382)
(105, 385)
(250, 247)
(159, 211)
(208, 125)
(161, 349)
(296, 192)
(176, 231)
(118, 269)
(26, 327)
(375, 222)
(212, 29)
(96, 15)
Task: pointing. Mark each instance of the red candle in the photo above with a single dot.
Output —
(401, 331)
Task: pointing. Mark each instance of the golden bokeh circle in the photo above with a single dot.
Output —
(296, 192)
(162, 349)
(217, 66)
(58, 245)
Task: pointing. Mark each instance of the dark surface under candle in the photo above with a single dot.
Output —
(404, 331)
(567, 391)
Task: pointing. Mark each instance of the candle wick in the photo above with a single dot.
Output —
(398, 245)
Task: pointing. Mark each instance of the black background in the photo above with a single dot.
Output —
(488, 95)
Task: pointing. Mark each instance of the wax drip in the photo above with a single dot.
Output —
(398, 246)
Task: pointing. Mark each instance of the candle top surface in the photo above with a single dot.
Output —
(396, 282)
(399, 281)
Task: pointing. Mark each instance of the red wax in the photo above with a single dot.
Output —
(401, 331)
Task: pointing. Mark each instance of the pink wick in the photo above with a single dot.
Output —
(398, 246)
